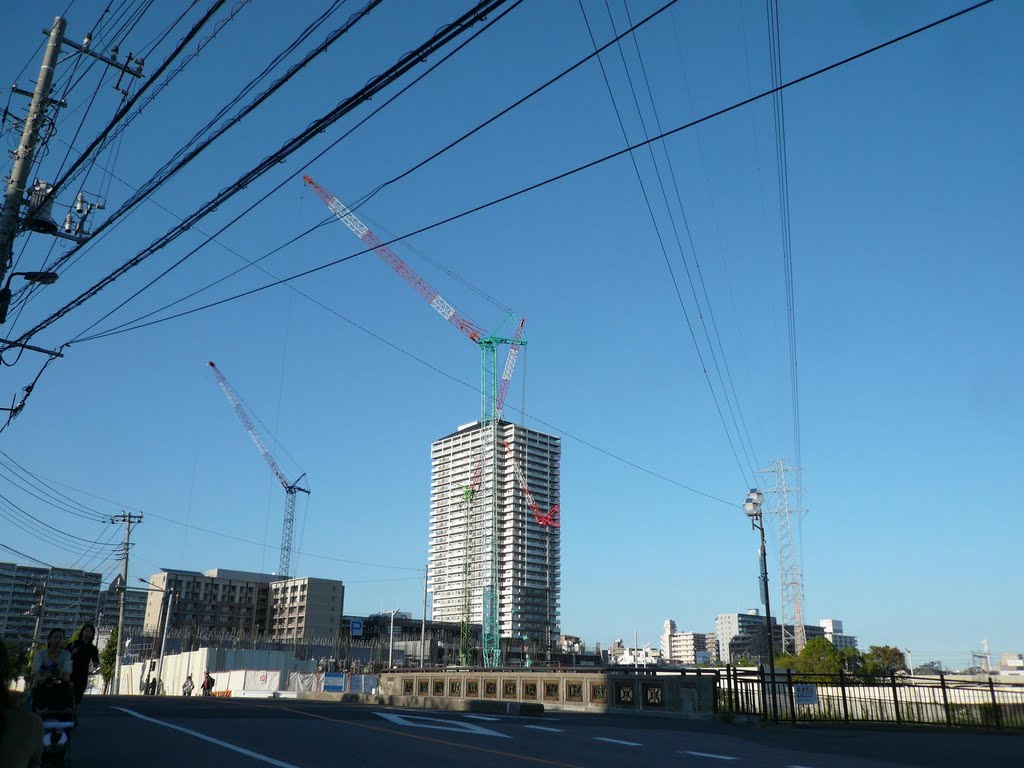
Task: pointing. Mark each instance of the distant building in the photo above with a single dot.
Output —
(834, 634)
(68, 597)
(741, 635)
(529, 554)
(622, 655)
(110, 606)
(689, 648)
(306, 608)
(217, 601)
(1011, 664)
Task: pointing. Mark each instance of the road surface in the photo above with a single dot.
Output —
(250, 733)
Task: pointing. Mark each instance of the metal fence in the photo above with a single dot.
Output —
(931, 700)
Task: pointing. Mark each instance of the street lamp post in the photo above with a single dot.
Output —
(391, 641)
(752, 508)
(163, 640)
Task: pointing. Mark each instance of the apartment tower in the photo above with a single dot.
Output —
(528, 554)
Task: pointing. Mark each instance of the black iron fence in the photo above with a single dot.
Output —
(930, 700)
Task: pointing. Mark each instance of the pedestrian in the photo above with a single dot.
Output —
(52, 662)
(208, 683)
(84, 658)
(188, 686)
(21, 733)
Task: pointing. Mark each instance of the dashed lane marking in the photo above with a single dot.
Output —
(707, 754)
(544, 728)
(485, 718)
(204, 737)
(618, 741)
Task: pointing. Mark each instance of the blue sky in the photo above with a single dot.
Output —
(905, 194)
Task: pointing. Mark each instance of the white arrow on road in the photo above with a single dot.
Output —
(416, 721)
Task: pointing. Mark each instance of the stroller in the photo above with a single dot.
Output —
(55, 704)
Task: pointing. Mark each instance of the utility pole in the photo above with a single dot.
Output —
(39, 607)
(126, 519)
(25, 154)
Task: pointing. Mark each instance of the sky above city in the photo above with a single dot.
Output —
(904, 172)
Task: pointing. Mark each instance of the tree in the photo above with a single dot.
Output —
(883, 660)
(108, 658)
(19, 660)
(819, 657)
(853, 661)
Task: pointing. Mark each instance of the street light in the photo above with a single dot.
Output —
(43, 278)
(167, 620)
(391, 642)
(752, 508)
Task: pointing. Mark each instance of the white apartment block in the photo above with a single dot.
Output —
(68, 598)
(528, 553)
(834, 634)
(689, 648)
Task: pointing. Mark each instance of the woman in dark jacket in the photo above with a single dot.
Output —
(83, 654)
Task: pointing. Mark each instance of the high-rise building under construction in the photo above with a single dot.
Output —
(470, 513)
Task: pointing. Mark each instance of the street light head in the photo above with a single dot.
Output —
(45, 278)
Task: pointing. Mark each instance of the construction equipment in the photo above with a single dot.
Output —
(544, 519)
(290, 489)
(492, 393)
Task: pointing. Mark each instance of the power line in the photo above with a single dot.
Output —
(436, 42)
(657, 231)
(328, 219)
(183, 157)
(550, 180)
(693, 249)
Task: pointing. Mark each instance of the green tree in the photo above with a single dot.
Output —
(108, 657)
(853, 661)
(883, 660)
(786, 661)
(20, 660)
(819, 657)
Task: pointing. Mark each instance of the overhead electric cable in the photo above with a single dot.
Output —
(548, 181)
(435, 43)
(693, 249)
(661, 241)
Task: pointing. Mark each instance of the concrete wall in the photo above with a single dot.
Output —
(227, 666)
(687, 695)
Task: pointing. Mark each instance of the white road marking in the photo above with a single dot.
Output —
(707, 754)
(485, 718)
(545, 728)
(415, 721)
(797, 766)
(204, 737)
(617, 741)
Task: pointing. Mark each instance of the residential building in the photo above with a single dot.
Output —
(217, 601)
(110, 606)
(834, 634)
(528, 552)
(741, 635)
(688, 648)
(302, 609)
(623, 655)
(67, 598)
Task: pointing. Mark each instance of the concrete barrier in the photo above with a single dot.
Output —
(500, 691)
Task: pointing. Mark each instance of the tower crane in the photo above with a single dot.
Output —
(290, 489)
(492, 393)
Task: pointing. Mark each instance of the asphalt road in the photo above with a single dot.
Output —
(213, 733)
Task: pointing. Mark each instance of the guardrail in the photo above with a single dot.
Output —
(931, 700)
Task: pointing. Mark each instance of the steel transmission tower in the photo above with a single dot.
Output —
(791, 582)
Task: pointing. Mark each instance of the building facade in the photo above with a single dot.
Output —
(304, 609)
(834, 634)
(217, 601)
(66, 598)
(528, 553)
(688, 648)
(110, 607)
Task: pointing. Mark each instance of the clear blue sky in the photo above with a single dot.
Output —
(905, 199)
